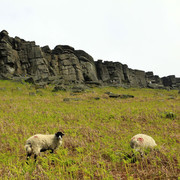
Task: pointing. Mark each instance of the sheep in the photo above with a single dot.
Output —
(141, 142)
(40, 143)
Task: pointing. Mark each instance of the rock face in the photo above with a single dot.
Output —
(20, 59)
(117, 73)
(171, 81)
(63, 64)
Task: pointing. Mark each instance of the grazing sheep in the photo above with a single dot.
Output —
(140, 142)
(40, 143)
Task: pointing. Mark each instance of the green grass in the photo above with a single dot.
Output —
(97, 133)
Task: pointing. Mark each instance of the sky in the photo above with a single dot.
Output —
(144, 34)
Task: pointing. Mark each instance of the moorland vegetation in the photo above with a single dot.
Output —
(97, 132)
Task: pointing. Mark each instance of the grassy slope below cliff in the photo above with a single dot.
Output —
(97, 132)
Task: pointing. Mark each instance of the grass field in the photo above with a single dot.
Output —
(97, 132)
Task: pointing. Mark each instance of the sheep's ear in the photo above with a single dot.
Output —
(59, 134)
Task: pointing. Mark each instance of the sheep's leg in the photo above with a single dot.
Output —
(36, 153)
(27, 158)
(52, 151)
(134, 159)
(35, 157)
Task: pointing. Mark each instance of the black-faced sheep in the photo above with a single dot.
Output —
(40, 143)
(141, 142)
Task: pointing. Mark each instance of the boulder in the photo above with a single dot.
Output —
(59, 88)
(112, 95)
(125, 96)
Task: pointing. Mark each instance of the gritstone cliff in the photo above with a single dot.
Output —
(24, 60)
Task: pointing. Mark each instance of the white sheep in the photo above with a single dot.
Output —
(141, 142)
(40, 143)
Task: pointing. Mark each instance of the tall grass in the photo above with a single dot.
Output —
(97, 132)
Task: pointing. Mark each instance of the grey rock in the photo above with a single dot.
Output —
(97, 98)
(169, 115)
(156, 86)
(125, 96)
(66, 99)
(108, 93)
(2, 88)
(171, 81)
(59, 88)
(71, 99)
(112, 95)
(78, 88)
(39, 92)
(20, 59)
(32, 94)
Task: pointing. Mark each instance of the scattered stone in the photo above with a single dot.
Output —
(39, 92)
(92, 84)
(125, 96)
(108, 93)
(112, 95)
(156, 86)
(71, 99)
(32, 94)
(18, 89)
(97, 98)
(169, 115)
(2, 88)
(66, 99)
(54, 94)
(171, 97)
(76, 99)
(78, 89)
(30, 80)
(59, 88)
(73, 94)
(41, 85)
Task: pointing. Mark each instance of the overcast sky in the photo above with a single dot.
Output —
(144, 34)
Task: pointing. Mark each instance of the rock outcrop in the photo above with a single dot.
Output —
(20, 59)
(63, 64)
(117, 73)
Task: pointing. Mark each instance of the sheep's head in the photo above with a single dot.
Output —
(135, 142)
(59, 135)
